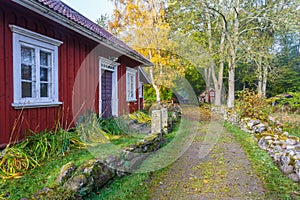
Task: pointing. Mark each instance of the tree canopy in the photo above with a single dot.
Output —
(232, 44)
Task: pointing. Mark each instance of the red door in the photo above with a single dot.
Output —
(106, 93)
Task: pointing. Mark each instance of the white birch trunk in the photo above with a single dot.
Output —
(231, 74)
(156, 88)
(217, 80)
(260, 78)
(265, 79)
(233, 51)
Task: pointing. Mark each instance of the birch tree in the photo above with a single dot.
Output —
(142, 25)
(237, 21)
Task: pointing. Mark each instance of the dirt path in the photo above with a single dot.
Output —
(224, 174)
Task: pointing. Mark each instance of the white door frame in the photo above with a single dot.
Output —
(109, 65)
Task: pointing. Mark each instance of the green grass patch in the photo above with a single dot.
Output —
(277, 185)
(292, 129)
(133, 186)
(42, 176)
(126, 140)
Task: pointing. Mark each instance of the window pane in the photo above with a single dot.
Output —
(44, 74)
(45, 58)
(26, 72)
(27, 55)
(26, 89)
(44, 90)
(131, 87)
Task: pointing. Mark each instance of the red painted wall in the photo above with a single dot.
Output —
(124, 106)
(78, 76)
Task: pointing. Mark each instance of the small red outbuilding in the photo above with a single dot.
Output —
(56, 65)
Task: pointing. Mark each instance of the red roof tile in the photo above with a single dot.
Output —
(66, 11)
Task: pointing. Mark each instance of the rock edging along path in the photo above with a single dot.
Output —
(225, 173)
(282, 147)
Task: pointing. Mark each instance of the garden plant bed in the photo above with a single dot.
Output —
(44, 175)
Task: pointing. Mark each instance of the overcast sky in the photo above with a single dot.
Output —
(91, 9)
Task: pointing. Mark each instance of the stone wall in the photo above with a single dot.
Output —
(78, 181)
(282, 147)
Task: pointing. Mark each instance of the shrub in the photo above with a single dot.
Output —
(291, 101)
(250, 104)
(35, 149)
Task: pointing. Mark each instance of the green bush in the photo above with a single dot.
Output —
(250, 104)
(111, 126)
(292, 103)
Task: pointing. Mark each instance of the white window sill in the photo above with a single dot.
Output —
(36, 105)
(131, 100)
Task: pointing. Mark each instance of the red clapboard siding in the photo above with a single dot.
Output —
(124, 106)
(78, 62)
(2, 78)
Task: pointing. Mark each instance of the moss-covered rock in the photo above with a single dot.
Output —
(54, 193)
(76, 182)
(65, 173)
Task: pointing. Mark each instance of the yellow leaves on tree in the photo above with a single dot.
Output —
(142, 25)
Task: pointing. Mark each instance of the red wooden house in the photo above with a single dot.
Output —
(55, 65)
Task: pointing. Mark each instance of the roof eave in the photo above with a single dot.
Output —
(144, 74)
(58, 18)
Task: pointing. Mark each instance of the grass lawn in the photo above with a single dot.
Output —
(41, 176)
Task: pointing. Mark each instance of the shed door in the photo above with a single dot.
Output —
(106, 93)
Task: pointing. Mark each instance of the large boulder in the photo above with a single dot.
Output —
(88, 176)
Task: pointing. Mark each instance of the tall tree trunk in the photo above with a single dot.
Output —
(233, 41)
(217, 80)
(218, 95)
(260, 77)
(218, 83)
(207, 77)
(265, 79)
(231, 74)
(156, 88)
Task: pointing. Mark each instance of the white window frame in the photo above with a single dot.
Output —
(24, 37)
(130, 72)
(141, 95)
